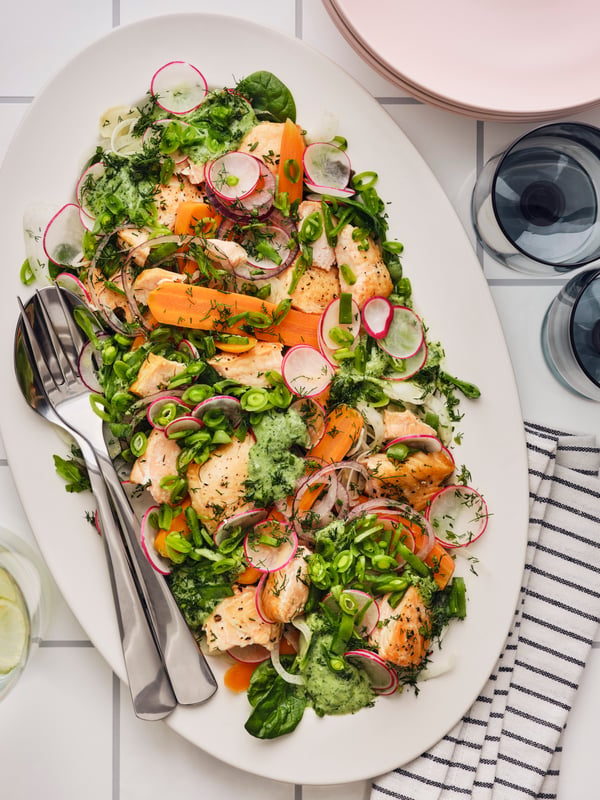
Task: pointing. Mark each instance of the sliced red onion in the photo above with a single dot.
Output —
(411, 365)
(250, 654)
(148, 534)
(377, 315)
(306, 371)
(384, 679)
(313, 415)
(326, 166)
(334, 503)
(270, 545)
(178, 87)
(230, 406)
(458, 515)
(405, 334)
(63, 237)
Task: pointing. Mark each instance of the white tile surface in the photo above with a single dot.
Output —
(68, 709)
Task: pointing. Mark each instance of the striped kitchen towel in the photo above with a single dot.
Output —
(507, 746)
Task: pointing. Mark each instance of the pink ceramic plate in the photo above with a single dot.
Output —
(497, 60)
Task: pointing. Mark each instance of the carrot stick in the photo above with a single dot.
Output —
(194, 217)
(290, 170)
(440, 561)
(342, 428)
(198, 307)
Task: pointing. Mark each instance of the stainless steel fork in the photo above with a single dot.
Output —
(151, 693)
(190, 675)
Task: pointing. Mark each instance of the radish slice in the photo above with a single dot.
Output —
(367, 620)
(243, 520)
(330, 320)
(184, 424)
(317, 191)
(63, 237)
(257, 205)
(410, 366)
(306, 372)
(326, 166)
(422, 441)
(188, 348)
(313, 415)
(405, 334)
(377, 315)
(148, 533)
(229, 406)
(250, 654)
(178, 87)
(164, 409)
(270, 545)
(384, 680)
(458, 515)
(70, 282)
(233, 176)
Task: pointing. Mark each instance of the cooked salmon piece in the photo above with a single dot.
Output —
(323, 254)
(225, 253)
(249, 368)
(169, 196)
(313, 292)
(403, 633)
(414, 480)
(285, 591)
(235, 622)
(264, 142)
(371, 276)
(154, 375)
(158, 461)
(136, 238)
(217, 487)
(404, 423)
(112, 300)
(148, 279)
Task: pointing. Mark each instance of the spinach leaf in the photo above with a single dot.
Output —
(270, 98)
(278, 705)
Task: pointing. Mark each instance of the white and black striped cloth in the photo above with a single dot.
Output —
(508, 745)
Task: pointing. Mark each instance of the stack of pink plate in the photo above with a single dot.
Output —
(504, 60)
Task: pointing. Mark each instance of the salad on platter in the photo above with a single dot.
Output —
(281, 415)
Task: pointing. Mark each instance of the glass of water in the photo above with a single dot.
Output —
(25, 605)
(571, 334)
(535, 206)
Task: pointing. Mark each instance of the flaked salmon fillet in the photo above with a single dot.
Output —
(403, 633)
(313, 292)
(264, 142)
(154, 375)
(414, 480)
(285, 591)
(158, 461)
(150, 278)
(235, 622)
(218, 486)
(404, 423)
(371, 276)
(169, 196)
(249, 368)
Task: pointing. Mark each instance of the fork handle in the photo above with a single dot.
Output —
(149, 684)
(190, 675)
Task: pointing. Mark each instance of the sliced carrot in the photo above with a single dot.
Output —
(230, 347)
(290, 172)
(342, 428)
(440, 561)
(196, 217)
(187, 306)
(286, 648)
(237, 677)
(249, 576)
(159, 543)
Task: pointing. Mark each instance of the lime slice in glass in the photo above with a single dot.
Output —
(14, 635)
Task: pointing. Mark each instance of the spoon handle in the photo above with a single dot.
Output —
(149, 684)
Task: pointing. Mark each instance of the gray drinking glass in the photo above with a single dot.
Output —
(535, 206)
(571, 334)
